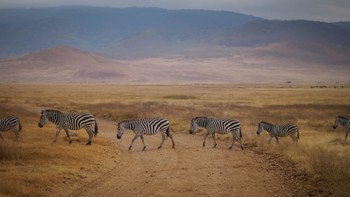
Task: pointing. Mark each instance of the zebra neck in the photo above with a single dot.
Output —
(203, 123)
(130, 126)
(343, 122)
(267, 127)
(54, 117)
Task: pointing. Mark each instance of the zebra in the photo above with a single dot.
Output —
(220, 126)
(276, 131)
(10, 123)
(343, 122)
(74, 121)
(145, 127)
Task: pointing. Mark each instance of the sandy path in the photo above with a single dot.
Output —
(187, 170)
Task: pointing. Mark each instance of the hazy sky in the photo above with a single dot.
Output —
(319, 10)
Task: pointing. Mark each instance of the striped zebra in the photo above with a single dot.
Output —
(276, 131)
(145, 127)
(74, 121)
(10, 123)
(343, 122)
(220, 126)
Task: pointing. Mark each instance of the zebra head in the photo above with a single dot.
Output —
(43, 119)
(260, 128)
(198, 122)
(121, 130)
(339, 120)
(263, 125)
(336, 122)
(193, 126)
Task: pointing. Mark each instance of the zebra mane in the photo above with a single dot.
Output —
(200, 117)
(342, 117)
(50, 111)
(264, 122)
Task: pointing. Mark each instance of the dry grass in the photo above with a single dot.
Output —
(36, 167)
(321, 150)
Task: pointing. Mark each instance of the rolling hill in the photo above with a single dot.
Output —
(260, 65)
(152, 45)
(97, 29)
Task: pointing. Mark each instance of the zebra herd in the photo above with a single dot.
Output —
(76, 121)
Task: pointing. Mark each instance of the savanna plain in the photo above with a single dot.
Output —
(317, 166)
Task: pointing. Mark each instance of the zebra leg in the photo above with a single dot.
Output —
(205, 138)
(277, 140)
(239, 140)
(16, 132)
(132, 141)
(91, 133)
(67, 133)
(233, 141)
(213, 134)
(346, 136)
(270, 139)
(143, 142)
(56, 135)
(163, 138)
(172, 140)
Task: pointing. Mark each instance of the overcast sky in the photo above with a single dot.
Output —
(318, 10)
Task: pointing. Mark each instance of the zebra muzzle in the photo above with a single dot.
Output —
(119, 137)
(40, 125)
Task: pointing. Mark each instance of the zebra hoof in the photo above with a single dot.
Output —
(70, 141)
(130, 148)
(89, 143)
(214, 146)
(242, 148)
(159, 147)
(230, 147)
(144, 148)
(173, 146)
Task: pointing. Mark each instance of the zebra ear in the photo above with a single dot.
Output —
(42, 112)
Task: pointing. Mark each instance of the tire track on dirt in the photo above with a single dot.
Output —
(189, 169)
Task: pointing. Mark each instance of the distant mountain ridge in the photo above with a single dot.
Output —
(97, 28)
(151, 32)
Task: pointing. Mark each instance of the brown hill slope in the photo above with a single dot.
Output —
(273, 63)
(63, 64)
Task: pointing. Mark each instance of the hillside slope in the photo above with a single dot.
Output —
(153, 32)
(272, 64)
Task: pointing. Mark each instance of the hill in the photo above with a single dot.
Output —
(61, 65)
(270, 31)
(270, 64)
(97, 29)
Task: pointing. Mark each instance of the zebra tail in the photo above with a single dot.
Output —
(20, 127)
(167, 132)
(96, 128)
(298, 134)
(240, 132)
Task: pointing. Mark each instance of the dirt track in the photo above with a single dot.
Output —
(187, 170)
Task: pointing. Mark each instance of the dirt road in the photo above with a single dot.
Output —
(187, 170)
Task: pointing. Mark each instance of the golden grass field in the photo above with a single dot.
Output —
(36, 167)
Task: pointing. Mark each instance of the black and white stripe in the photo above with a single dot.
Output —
(145, 127)
(220, 126)
(276, 131)
(343, 122)
(10, 123)
(73, 121)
